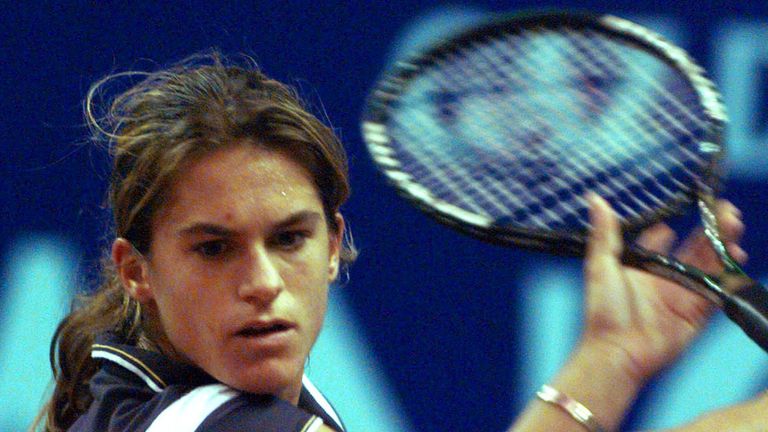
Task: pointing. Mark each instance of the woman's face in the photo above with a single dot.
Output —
(239, 268)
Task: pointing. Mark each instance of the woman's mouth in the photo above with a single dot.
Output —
(262, 330)
(266, 336)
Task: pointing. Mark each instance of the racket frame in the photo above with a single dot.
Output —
(566, 242)
(744, 300)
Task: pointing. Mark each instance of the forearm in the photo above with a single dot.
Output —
(747, 417)
(595, 376)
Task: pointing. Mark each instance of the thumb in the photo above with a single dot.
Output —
(607, 293)
(605, 236)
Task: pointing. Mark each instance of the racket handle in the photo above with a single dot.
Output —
(748, 307)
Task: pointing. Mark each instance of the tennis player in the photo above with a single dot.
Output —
(226, 197)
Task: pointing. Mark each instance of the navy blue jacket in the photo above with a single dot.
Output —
(140, 390)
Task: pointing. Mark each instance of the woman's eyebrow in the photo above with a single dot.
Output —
(306, 216)
(203, 228)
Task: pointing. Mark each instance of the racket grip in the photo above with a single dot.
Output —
(748, 307)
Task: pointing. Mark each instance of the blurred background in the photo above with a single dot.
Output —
(433, 330)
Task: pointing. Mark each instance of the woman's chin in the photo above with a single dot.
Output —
(276, 376)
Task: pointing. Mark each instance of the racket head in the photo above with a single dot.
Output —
(500, 131)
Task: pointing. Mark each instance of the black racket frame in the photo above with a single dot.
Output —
(743, 300)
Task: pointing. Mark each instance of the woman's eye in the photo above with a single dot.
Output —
(211, 249)
(291, 239)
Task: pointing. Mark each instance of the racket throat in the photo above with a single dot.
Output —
(734, 281)
(747, 306)
(689, 277)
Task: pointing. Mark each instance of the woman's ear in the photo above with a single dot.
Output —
(335, 240)
(132, 270)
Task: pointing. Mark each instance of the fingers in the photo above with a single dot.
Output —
(605, 237)
(697, 249)
(658, 238)
(731, 229)
(606, 293)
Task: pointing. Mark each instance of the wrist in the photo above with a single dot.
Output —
(614, 360)
(570, 406)
(596, 376)
(603, 378)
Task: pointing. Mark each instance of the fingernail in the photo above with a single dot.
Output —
(738, 253)
(735, 210)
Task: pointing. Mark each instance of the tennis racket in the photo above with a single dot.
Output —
(500, 132)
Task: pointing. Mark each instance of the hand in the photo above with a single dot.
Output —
(746, 417)
(644, 319)
(636, 322)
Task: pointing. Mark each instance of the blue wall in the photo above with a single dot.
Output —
(437, 331)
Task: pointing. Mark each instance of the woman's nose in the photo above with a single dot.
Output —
(263, 281)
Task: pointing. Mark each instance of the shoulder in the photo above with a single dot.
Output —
(208, 408)
(216, 407)
(136, 389)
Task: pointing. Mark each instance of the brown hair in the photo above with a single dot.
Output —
(153, 130)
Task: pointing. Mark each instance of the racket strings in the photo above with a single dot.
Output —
(601, 158)
(530, 186)
(502, 170)
(498, 132)
(450, 178)
(638, 127)
(429, 161)
(548, 191)
(619, 141)
(444, 179)
(657, 126)
(661, 117)
(526, 182)
(585, 162)
(444, 175)
(598, 46)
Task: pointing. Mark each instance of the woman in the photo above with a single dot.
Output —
(226, 197)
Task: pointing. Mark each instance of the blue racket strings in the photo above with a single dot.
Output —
(515, 129)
